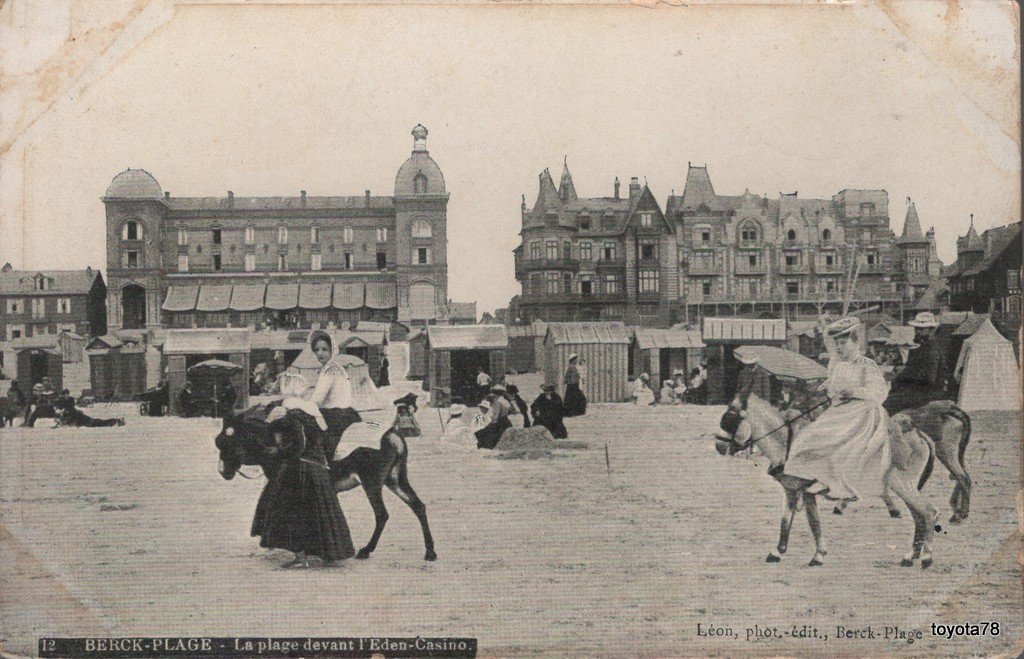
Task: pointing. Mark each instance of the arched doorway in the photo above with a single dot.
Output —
(422, 301)
(133, 307)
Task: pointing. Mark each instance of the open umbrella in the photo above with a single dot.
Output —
(784, 363)
(214, 369)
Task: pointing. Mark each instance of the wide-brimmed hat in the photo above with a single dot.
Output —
(645, 377)
(484, 404)
(747, 358)
(842, 327)
(456, 410)
(408, 400)
(924, 319)
(38, 386)
(547, 386)
(667, 383)
(498, 388)
(573, 356)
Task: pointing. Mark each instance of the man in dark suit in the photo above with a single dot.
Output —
(924, 377)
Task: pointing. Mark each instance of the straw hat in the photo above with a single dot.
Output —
(842, 327)
(645, 377)
(456, 410)
(925, 319)
(484, 404)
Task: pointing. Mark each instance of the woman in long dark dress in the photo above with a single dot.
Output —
(300, 512)
(575, 401)
(548, 411)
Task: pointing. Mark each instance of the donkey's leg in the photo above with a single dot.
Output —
(403, 490)
(814, 521)
(889, 503)
(840, 507)
(792, 498)
(924, 515)
(947, 450)
(374, 493)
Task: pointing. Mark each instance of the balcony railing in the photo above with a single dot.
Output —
(704, 268)
(793, 269)
(610, 263)
(533, 265)
(783, 295)
(829, 269)
(575, 298)
(793, 244)
(744, 268)
(872, 268)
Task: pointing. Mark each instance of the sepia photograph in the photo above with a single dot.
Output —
(510, 329)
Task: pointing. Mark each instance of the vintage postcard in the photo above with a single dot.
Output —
(497, 329)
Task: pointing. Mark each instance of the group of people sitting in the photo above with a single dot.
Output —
(679, 389)
(45, 402)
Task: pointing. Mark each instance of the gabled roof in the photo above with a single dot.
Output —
(643, 202)
(971, 325)
(999, 239)
(647, 338)
(581, 333)
(932, 296)
(59, 282)
(467, 337)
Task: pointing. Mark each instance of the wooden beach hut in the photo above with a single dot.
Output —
(417, 355)
(604, 346)
(662, 352)
(723, 336)
(526, 347)
(184, 348)
(117, 371)
(455, 355)
(39, 357)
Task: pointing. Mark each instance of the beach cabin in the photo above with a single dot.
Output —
(722, 336)
(662, 352)
(455, 353)
(417, 354)
(369, 345)
(185, 348)
(38, 357)
(605, 349)
(526, 347)
(117, 371)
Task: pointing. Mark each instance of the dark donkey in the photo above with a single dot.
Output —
(243, 441)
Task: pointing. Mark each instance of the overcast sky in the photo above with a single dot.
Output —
(271, 101)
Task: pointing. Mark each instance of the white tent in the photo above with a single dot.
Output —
(987, 371)
(364, 392)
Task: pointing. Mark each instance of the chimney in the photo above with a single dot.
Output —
(367, 198)
(167, 195)
(616, 187)
(634, 187)
(523, 205)
(302, 194)
(231, 199)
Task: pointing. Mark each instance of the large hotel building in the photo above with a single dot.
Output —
(239, 261)
(625, 258)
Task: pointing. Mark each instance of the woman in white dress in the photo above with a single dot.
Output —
(846, 450)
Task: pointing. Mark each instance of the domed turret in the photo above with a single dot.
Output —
(134, 184)
(419, 174)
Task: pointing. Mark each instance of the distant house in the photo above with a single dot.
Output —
(34, 303)
(462, 313)
(986, 276)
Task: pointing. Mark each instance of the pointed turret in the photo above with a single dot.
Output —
(566, 189)
(698, 190)
(971, 243)
(912, 226)
(548, 199)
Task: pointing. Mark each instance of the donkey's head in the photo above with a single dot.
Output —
(405, 421)
(241, 443)
(733, 428)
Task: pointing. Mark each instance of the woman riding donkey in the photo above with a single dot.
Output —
(850, 452)
(298, 509)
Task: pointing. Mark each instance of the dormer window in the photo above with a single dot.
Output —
(585, 223)
(748, 233)
(419, 184)
(41, 283)
(645, 219)
(132, 231)
(826, 234)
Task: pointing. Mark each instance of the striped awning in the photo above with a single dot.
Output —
(214, 298)
(349, 295)
(181, 298)
(381, 295)
(282, 297)
(248, 297)
(315, 296)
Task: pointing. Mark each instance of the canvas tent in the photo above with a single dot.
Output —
(988, 372)
(364, 392)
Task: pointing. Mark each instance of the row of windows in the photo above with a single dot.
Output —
(966, 285)
(421, 256)
(17, 306)
(216, 235)
(608, 252)
(750, 233)
(553, 283)
(755, 287)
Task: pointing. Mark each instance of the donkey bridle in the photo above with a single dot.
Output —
(785, 424)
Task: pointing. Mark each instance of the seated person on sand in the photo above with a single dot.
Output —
(641, 393)
(668, 393)
(457, 432)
